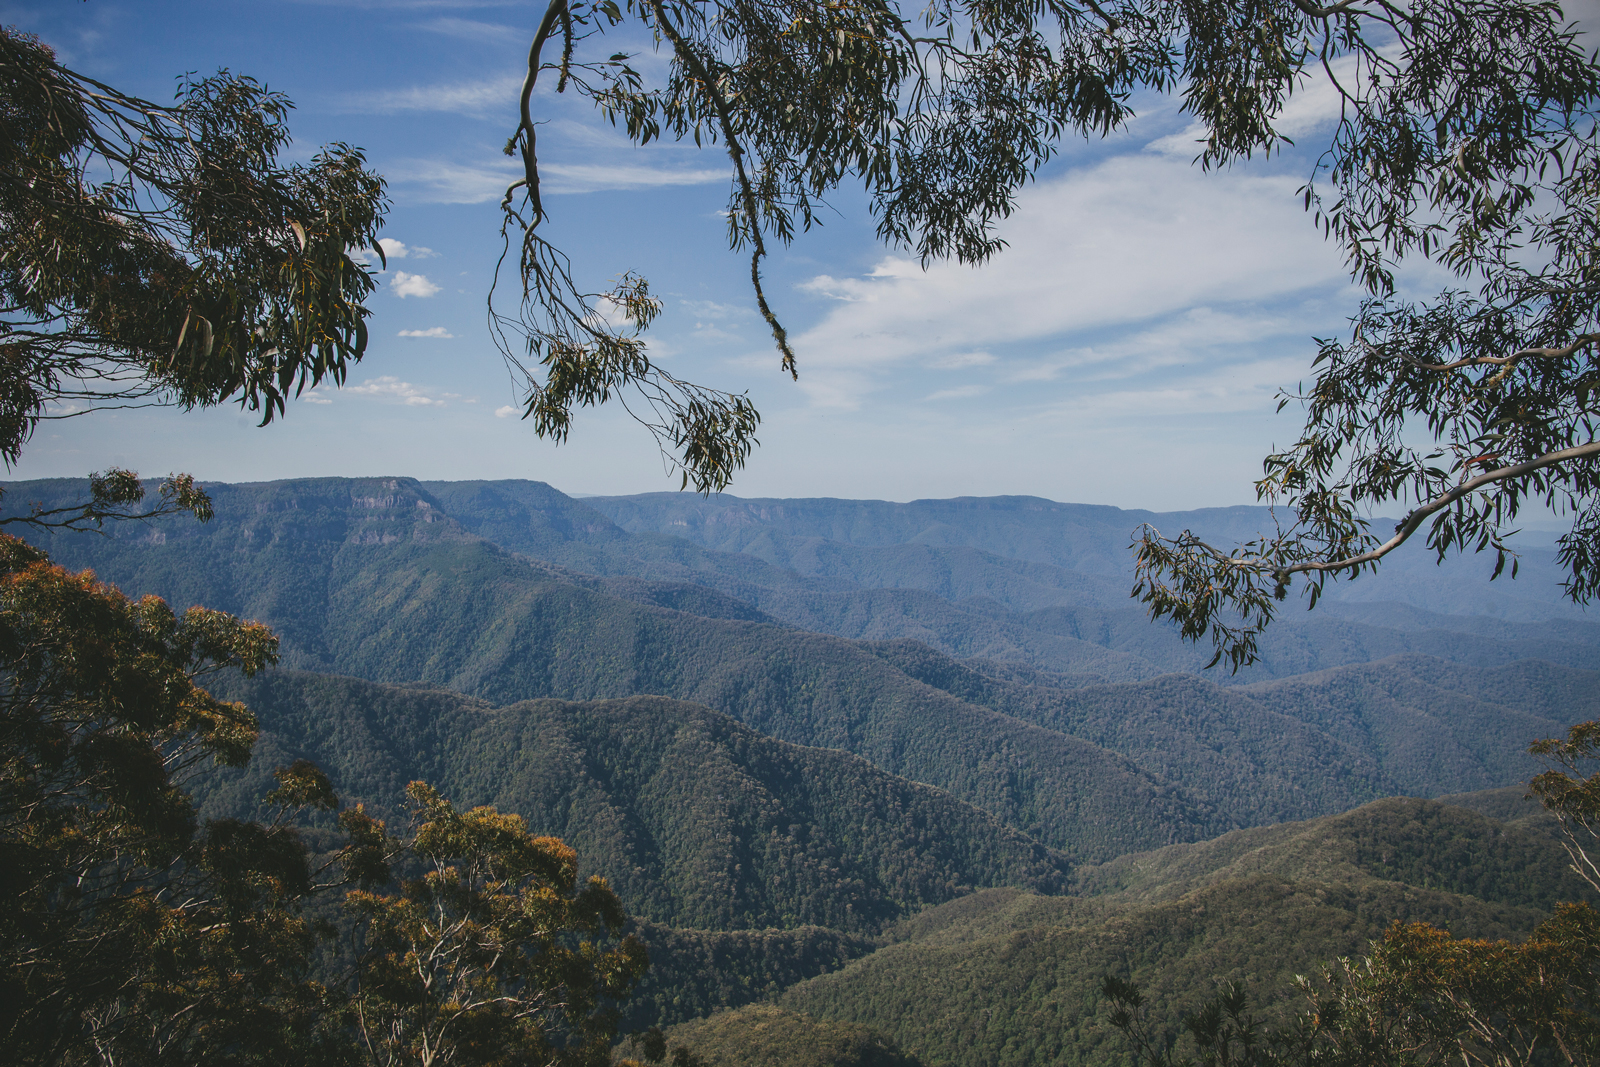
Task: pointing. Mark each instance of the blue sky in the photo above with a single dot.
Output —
(1124, 350)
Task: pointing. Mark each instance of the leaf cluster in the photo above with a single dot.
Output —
(162, 254)
(1465, 408)
(494, 952)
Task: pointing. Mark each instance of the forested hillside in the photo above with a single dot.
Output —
(766, 1036)
(924, 791)
(377, 579)
(695, 820)
(1009, 977)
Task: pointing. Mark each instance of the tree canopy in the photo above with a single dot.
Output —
(1465, 135)
(162, 253)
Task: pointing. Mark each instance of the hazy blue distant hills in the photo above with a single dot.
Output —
(1086, 538)
(378, 578)
(969, 602)
(1293, 748)
(1010, 578)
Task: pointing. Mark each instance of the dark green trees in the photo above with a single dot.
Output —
(134, 934)
(130, 931)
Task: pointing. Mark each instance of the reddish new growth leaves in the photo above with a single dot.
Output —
(494, 954)
(131, 933)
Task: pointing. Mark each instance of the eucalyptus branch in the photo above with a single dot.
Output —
(691, 59)
(1415, 519)
(1201, 587)
(525, 128)
(113, 496)
(1581, 343)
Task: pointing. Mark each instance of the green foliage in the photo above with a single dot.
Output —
(133, 933)
(116, 495)
(162, 253)
(1570, 789)
(494, 954)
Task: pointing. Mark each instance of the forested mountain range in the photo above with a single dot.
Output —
(1008, 977)
(1017, 579)
(377, 579)
(933, 786)
(695, 819)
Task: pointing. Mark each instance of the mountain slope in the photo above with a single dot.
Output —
(696, 820)
(1008, 977)
(375, 578)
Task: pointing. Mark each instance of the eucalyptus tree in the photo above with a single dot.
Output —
(161, 253)
(1465, 135)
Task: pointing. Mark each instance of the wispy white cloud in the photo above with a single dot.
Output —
(1207, 390)
(404, 285)
(504, 412)
(472, 30)
(393, 388)
(443, 182)
(712, 309)
(594, 177)
(463, 98)
(1125, 244)
(434, 181)
(1197, 334)
(961, 360)
(960, 392)
(393, 249)
(431, 331)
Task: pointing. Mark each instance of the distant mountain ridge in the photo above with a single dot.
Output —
(1086, 538)
(1005, 588)
(988, 783)
(377, 578)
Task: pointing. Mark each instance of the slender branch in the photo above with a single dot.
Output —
(746, 190)
(1414, 520)
(530, 162)
(1498, 361)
